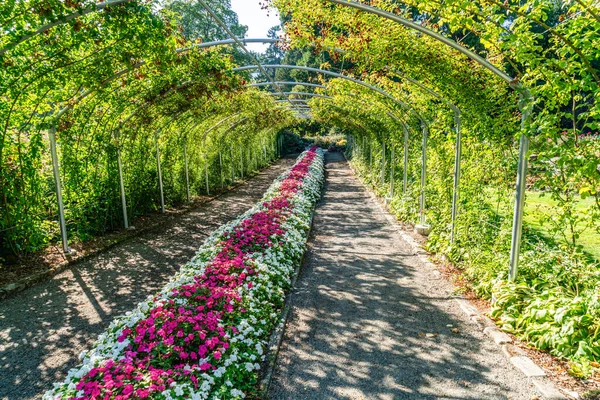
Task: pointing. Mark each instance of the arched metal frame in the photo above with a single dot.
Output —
(524, 104)
(287, 83)
(337, 75)
(287, 94)
(404, 105)
(405, 128)
(62, 20)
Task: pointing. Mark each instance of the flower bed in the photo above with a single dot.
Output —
(203, 335)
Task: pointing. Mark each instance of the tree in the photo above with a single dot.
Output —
(198, 24)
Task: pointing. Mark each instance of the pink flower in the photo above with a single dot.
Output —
(172, 333)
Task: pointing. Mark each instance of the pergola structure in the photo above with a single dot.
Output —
(394, 105)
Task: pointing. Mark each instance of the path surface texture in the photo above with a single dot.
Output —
(44, 329)
(370, 321)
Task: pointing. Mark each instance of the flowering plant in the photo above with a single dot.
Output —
(203, 335)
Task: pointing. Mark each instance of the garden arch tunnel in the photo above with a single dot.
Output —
(525, 104)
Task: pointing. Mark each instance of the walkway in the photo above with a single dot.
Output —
(43, 329)
(368, 321)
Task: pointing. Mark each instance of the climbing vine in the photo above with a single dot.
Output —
(549, 47)
(115, 80)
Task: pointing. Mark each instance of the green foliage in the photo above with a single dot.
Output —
(549, 48)
(196, 23)
(123, 80)
(554, 304)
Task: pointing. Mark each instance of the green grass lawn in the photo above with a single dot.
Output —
(537, 206)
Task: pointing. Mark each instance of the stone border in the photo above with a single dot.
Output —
(536, 375)
(12, 289)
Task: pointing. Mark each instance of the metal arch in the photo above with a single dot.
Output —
(301, 94)
(337, 75)
(347, 112)
(287, 83)
(304, 101)
(90, 91)
(228, 41)
(217, 125)
(448, 42)
(314, 94)
(430, 91)
(152, 102)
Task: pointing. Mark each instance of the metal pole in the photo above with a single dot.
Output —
(265, 153)
(280, 145)
(383, 164)
(405, 184)
(221, 166)
(206, 174)
(232, 165)
(423, 173)
(519, 205)
(61, 210)
(363, 149)
(160, 180)
(187, 171)
(122, 184)
(242, 161)
(457, 166)
(392, 177)
(525, 104)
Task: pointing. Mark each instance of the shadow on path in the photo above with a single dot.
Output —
(45, 328)
(369, 321)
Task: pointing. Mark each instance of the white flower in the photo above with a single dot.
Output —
(275, 266)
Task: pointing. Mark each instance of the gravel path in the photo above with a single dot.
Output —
(43, 329)
(369, 321)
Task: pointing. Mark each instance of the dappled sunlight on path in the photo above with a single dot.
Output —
(369, 321)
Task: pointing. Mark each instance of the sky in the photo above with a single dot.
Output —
(258, 21)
